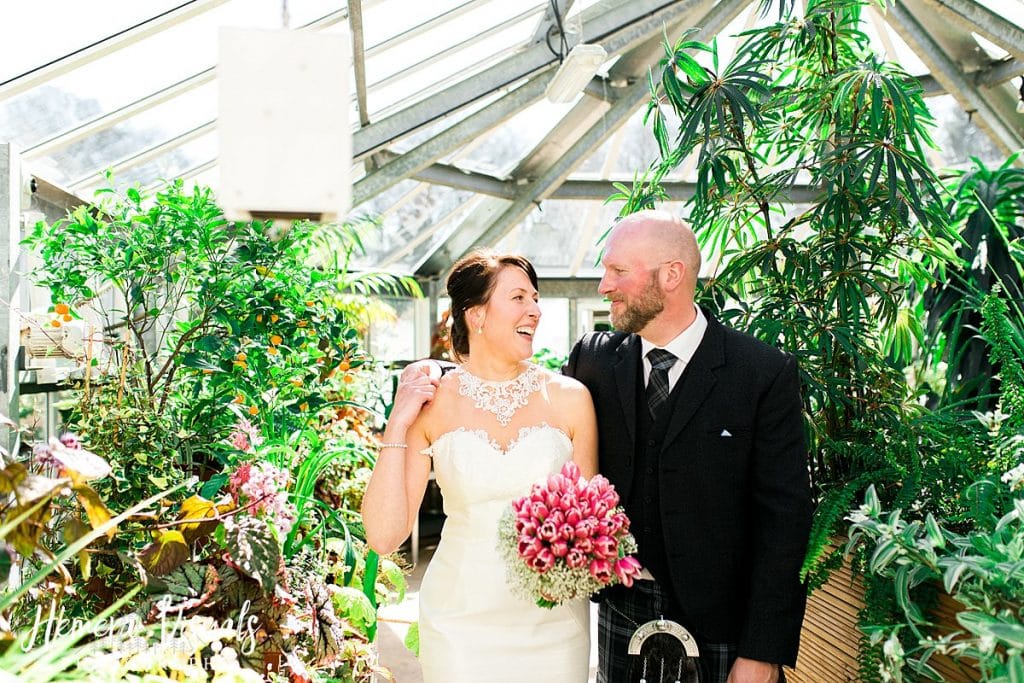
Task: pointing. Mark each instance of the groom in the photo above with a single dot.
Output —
(700, 431)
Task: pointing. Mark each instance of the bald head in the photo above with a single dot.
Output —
(663, 236)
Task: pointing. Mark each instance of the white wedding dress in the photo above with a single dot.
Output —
(472, 628)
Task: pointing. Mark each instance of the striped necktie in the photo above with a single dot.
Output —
(657, 384)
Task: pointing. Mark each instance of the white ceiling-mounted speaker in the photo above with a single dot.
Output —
(285, 137)
(579, 66)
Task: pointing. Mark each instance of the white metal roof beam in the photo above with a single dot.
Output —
(355, 23)
(105, 46)
(976, 17)
(617, 26)
(953, 80)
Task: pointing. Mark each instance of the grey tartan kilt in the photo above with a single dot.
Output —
(618, 616)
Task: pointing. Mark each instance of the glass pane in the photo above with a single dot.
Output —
(165, 122)
(140, 69)
(71, 26)
(499, 151)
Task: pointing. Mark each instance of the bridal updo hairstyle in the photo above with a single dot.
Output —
(471, 283)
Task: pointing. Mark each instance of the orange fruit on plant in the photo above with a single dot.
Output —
(55, 323)
(344, 366)
(272, 350)
(68, 318)
(274, 317)
(348, 379)
(62, 309)
(241, 356)
(275, 339)
(253, 410)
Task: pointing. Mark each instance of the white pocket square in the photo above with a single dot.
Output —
(725, 432)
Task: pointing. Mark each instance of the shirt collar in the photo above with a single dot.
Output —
(685, 343)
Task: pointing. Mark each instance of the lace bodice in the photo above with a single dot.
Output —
(472, 467)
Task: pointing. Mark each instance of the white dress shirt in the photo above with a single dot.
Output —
(682, 347)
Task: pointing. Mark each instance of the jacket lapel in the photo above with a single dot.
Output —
(698, 378)
(626, 370)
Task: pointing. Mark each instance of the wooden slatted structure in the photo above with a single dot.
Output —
(830, 639)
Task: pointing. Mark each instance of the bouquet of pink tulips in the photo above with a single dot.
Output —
(567, 539)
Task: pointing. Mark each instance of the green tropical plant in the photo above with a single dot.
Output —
(983, 570)
(824, 275)
(987, 206)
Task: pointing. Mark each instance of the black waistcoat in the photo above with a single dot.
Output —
(644, 508)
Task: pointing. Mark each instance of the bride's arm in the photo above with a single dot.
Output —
(579, 409)
(399, 479)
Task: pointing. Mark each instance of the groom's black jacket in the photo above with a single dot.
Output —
(732, 483)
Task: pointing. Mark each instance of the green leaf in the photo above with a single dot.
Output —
(213, 485)
(352, 604)
(412, 638)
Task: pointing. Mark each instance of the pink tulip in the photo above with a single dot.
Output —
(601, 570)
(573, 516)
(526, 527)
(584, 545)
(539, 511)
(606, 546)
(627, 569)
(600, 508)
(548, 531)
(607, 527)
(621, 520)
(559, 548)
(557, 518)
(567, 532)
(571, 471)
(576, 558)
(529, 547)
(544, 561)
(567, 501)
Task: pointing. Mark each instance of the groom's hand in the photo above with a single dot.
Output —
(753, 671)
(416, 387)
(426, 367)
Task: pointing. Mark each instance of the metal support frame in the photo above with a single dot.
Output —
(451, 139)
(476, 231)
(955, 82)
(355, 23)
(617, 28)
(10, 252)
(974, 16)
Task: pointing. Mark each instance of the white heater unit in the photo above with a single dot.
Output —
(285, 137)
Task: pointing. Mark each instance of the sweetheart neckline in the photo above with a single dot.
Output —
(523, 434)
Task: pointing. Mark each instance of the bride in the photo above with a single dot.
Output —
(492, 427)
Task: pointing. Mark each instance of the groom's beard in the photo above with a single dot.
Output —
(643, 309)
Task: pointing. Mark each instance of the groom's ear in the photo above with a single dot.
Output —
(672, 275)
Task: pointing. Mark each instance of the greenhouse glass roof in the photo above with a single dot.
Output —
(454, 144)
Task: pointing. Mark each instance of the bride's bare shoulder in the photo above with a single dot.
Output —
(565, 385)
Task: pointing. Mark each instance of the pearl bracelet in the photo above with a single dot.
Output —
(382, 446)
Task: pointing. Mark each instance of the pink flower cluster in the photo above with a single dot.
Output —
(245, 437)
(570, 526)
(266, 487)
